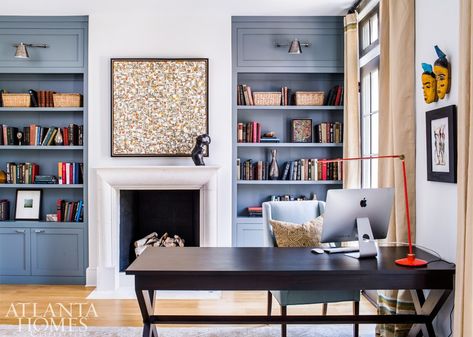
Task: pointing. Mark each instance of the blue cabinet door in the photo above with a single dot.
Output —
(15, 251)
(250, 235)
(57, 252)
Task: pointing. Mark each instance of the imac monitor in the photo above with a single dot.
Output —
(358, 214)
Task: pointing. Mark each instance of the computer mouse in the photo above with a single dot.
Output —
(317, 251)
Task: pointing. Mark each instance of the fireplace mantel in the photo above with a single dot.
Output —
(111, 180)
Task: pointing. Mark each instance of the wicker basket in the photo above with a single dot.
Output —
(309, 98)
(16, 100)
(67, 100)
(267, 98)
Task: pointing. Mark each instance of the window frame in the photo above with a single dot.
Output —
(369, 58)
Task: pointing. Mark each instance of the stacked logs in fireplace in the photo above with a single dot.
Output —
(154, 240)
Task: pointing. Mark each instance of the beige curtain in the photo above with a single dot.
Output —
(351, 120)
(463, 326)
(397, 127)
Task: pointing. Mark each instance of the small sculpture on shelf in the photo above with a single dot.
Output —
(199, 149)
(273, 167)
(58, 139)
(19, 136)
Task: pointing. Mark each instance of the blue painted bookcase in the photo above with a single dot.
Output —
(257, 62)
(40, 251)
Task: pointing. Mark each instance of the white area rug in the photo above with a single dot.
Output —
(260, 331)
(128, 293)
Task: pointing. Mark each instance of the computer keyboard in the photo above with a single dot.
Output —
(341, 250)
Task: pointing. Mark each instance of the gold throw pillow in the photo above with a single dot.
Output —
(288, 234)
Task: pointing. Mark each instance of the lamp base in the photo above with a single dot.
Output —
(411, 261)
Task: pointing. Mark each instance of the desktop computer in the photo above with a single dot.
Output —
(357, 214)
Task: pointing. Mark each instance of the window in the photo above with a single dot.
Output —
(369, 92)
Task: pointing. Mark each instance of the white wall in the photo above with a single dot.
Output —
(177, 28)
(437, 23)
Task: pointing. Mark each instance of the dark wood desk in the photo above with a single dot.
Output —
(287, 269)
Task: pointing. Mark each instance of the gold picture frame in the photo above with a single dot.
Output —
(159, 106)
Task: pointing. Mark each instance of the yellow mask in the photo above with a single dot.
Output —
(442, 73)
(442, 76)
(429, 84)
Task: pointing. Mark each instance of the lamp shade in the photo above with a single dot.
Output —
(295, 47)
(21, 51)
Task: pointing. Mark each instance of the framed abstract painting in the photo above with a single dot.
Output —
(159, 106)
(441, 130)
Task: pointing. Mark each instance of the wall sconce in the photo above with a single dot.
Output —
(22, 52)
(295, 47)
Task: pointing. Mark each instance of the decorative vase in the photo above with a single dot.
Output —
(273, 167)
(3, 177)
(58, 139)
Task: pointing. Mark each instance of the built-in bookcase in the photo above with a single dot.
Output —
(268, 71)
(41, 251)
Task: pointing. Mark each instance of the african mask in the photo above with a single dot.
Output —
(429, 84)
(442, 73)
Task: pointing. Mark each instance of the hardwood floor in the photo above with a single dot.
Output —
(126, 312)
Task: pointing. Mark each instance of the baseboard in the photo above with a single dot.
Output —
(42, 280)
(91, 277)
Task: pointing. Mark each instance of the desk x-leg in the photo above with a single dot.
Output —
(429, 307)
(146, 301)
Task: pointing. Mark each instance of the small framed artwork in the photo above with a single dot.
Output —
(28, 204)
(441, 130)
(301, 130)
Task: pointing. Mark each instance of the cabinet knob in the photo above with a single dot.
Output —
(39, 231)
(20, 230)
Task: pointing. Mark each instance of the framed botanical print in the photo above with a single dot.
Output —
(441, 130)
(159, 106)
(28, 204)
(301, 130)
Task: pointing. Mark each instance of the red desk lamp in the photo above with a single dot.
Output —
(410, 260)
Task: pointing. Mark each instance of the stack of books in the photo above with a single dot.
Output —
(256, 211)
(45, 180)
(70, 173)
(69, 211)
(4, 210)
(269, 140)
(22, 173)
(329, 132)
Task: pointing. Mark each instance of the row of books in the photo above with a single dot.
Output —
(334, 96)
(302, 169)
(4, 210)
(70, 173)
(328, 132)
(249, 132)
(22, 173)
(244, 95)
(312, 170)
(69, 211)
(42, 98)
(38, 135)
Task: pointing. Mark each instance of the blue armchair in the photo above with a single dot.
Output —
(299, 212)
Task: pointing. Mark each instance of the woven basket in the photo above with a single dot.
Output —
(309, 98)
(67, 100)
(267, 98)
(16, 100)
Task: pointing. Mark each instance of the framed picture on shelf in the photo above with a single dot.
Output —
(441, 127)
(159, 106)
(28, 204)
(301, 131)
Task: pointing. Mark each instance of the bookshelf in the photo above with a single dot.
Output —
(258, 64)
(40, 251)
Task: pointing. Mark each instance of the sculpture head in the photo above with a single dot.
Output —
(429, 84)
(203, 139)
(442, 73)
